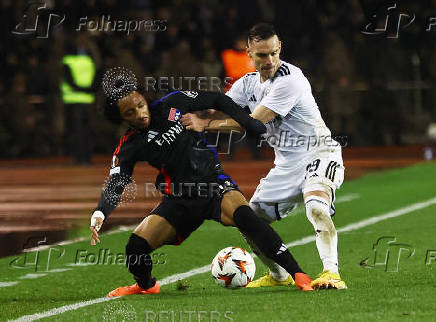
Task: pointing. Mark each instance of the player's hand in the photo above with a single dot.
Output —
(96, 223)
(193, 122)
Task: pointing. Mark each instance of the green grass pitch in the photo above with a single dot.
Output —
(400, 286)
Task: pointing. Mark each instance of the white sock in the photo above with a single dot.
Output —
(318, 213)
(327, 245)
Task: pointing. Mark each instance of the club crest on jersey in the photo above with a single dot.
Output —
(115, 161)
(174, 115)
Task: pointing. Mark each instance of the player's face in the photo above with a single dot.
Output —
(134, 110)
(266, 56)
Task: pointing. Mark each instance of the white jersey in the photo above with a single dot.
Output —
(298, 127)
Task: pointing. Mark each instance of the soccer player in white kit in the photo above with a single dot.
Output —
(308, 162)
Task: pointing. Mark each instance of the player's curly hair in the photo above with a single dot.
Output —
(118, 82)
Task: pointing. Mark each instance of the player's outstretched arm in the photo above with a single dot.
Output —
(195, 123)
(109, 200)
(263, 114)
(201, 100)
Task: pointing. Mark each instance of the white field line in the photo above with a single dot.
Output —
(204, 269)
(120, 229)
(6, 284)
(32, 276)
(345, 198)
(79, 239)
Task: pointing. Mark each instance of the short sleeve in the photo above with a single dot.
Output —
(285, 93)
(236, 93)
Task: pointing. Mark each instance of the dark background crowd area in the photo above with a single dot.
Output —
(372, 89)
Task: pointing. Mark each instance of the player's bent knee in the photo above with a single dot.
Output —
(156, 230)
(318, 213)
(227, 219)
(264, 210)
(136, 248)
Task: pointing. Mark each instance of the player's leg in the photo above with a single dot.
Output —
(235, 211)
(318, 194)
(280, 184)
(317, 205)
(277, 275)
(153, 232)
(318, 212)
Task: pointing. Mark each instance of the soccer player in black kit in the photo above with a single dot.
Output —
(190, 176)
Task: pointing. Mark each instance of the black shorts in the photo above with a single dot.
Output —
(187, 214)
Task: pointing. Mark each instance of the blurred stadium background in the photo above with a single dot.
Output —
(376, 91)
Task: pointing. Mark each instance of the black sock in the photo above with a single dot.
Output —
(268, 241)
(138, 261)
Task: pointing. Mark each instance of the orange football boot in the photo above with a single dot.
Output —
(134, 289)
(303, 282)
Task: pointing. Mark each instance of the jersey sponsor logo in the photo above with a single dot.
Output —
(151, 135)
(191, 94)
(252, 98)
(174, 115)
(170, 135)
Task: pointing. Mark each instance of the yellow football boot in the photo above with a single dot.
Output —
(327, 280)
(268, 280)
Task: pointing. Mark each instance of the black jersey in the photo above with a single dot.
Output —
(182, 157)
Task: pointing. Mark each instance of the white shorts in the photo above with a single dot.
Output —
(283, 187)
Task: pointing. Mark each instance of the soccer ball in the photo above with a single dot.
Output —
(233, 267)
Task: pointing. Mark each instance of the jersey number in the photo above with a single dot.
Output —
(312, 167)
